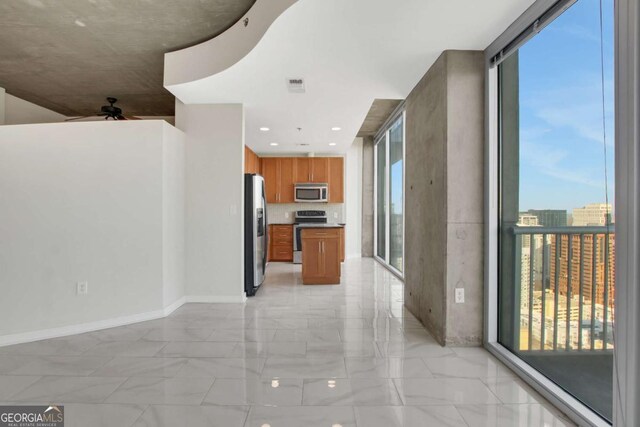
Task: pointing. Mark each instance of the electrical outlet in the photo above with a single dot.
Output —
(286, 215)
(459, 295)
(82, 288)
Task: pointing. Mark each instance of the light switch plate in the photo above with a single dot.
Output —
(459, 295)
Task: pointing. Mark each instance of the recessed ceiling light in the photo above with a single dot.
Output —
(79, 23)
(264, 129)
(273, 144)
(332, 144)
(336, 128)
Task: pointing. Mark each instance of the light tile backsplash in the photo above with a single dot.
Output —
(276, 211)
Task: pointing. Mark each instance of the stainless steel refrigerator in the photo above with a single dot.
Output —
(255, 232)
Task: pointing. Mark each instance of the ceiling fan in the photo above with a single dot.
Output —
(109, 112)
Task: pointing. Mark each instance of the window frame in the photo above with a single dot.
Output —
(399, 113)
(627, 52)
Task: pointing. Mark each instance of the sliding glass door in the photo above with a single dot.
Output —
(556, 279)
(389, 191)
(381, 198)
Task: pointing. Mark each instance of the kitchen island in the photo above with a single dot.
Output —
(321, 254)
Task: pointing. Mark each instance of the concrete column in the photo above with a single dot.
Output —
(353, 202)
(367, 196)
(444, 198)
(2, 106)
(214, 200)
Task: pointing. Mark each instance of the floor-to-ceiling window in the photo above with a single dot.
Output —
(389, 182)
(556, 279)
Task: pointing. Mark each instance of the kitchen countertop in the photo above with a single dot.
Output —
(330, 225)
(320, 225)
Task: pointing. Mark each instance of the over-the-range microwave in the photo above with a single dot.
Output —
(311, 192)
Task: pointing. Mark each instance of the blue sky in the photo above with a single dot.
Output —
(561, 138)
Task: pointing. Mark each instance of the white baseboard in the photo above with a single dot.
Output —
(217, 299)
(82, 328)
(173, 307)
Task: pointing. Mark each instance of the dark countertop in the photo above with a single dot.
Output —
(321, 225)
(332, 225)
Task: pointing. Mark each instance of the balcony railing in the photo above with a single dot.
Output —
(565, 281)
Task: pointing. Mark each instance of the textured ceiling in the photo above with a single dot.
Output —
(379, 112)
(69, 55)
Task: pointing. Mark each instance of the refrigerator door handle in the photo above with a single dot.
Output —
(266, 231)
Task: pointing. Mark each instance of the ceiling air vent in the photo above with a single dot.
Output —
(295, 85)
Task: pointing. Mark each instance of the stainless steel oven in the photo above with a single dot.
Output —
(311, 192)
(303, 218)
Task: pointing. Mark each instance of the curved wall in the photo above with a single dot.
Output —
(221, 52)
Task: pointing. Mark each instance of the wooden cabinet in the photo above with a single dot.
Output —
(312, 169)
(282, 173)
(287, 167)
(319, 169)
(321, 256)
(302, 169)
(270, 174)
(281, 243)
(251, 161)
(336, 179)
(278, 178)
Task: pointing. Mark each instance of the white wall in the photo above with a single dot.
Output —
(214, 199)
(96, 202)
(18, 111)
(173, 212)
(353, 205)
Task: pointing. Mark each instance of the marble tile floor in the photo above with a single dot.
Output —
(293, 356)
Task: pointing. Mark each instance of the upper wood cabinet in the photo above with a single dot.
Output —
(312, 169)
(287, 168)
(319, 169)
(271, 181)
(282, 173)
(336, 179)
(251, 161)
(278, 179)
(302, 169)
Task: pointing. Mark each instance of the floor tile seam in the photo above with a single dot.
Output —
(166, 343)
(20, 391)
(400, 395)
(104, 400)
(140, 416)
(464, 420)
(204, 396)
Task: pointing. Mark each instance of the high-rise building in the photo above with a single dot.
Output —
(594, 214)
(584, 259)
(550, 217)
